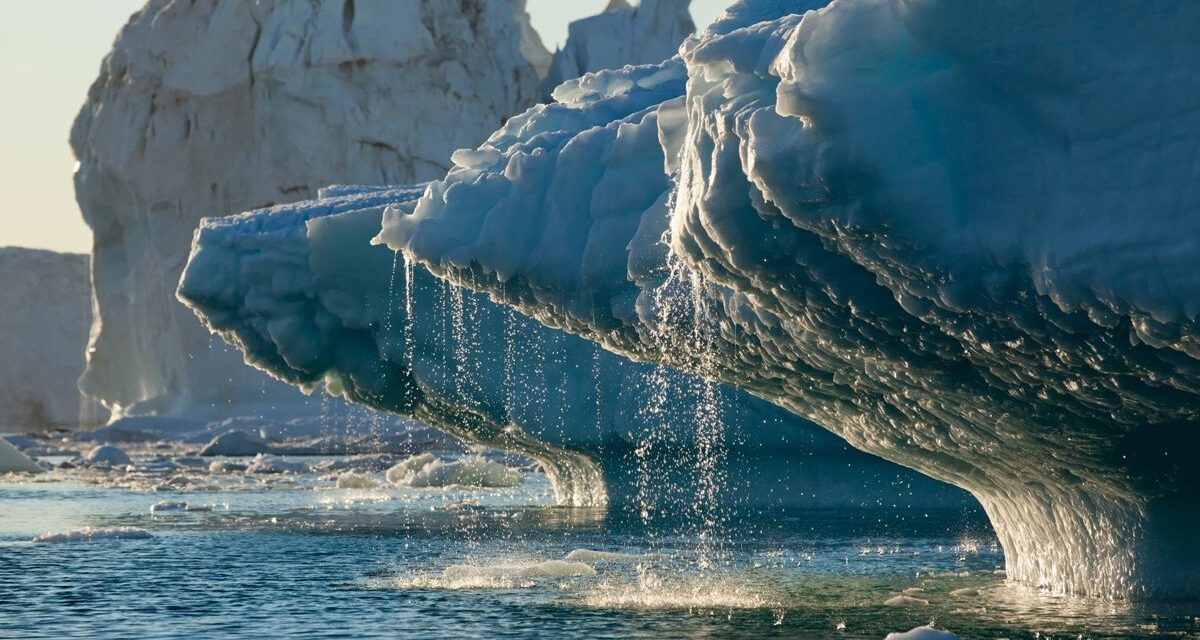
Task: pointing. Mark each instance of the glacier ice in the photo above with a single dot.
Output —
(44, 317)
(621, 35)
(204, 108)
(959, 235)
(301, 290)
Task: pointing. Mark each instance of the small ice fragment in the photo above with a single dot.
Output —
(905, 601)
(236, 443)
(168, 505)
(106, 456)
(965, 592)
(89, 534)
(922, 633)
(351, 480)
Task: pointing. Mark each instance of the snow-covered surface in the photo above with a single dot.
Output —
(13, 461)
(302, 292)
(45, 310)
(621, 35)
(91, 534)
(208, 108)
(959, 235)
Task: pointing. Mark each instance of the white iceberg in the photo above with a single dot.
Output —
(45, 309)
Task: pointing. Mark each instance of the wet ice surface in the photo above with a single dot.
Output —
(291, 554)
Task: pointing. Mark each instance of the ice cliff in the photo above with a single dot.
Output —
(44, 317)
(301, 290)
(959, 235)
(205, 108)
(649, 32)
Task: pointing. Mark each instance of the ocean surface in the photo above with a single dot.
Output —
(291, 555)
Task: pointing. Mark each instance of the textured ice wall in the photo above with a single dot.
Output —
(210, 107)
(45, 307)
(303, 293)
(959, 235)
(649, 32)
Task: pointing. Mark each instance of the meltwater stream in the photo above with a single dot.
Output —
(234, 554)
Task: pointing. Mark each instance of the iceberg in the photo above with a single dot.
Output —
(12, 460)
(205, 108)
(621, 35)
(957, 235)
(301, 290)
(44, 317)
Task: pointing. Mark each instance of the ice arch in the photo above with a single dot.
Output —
(959, 235)
(303, 293)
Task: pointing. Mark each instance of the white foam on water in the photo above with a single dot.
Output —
(503, 574)
(651, 591)
(90, 534)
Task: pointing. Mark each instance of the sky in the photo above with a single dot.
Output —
(50, 52)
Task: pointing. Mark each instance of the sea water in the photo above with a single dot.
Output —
(136, 554)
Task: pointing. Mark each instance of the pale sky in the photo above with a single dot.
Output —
(50, 52)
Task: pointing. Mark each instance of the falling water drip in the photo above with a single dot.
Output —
(409, 323)
(459, 335)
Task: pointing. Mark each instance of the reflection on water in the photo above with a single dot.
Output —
(297, 556)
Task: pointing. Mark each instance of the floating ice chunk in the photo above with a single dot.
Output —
(89, 534)
(403, 472)
(601, 557)
(168, 505)
(265, 464)
(236, 443)
(13, 461)
(905, 601)
(106, 456)
(922, 633)
(965, 592)
(351, 480)
(426, 470)
(225, 466)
